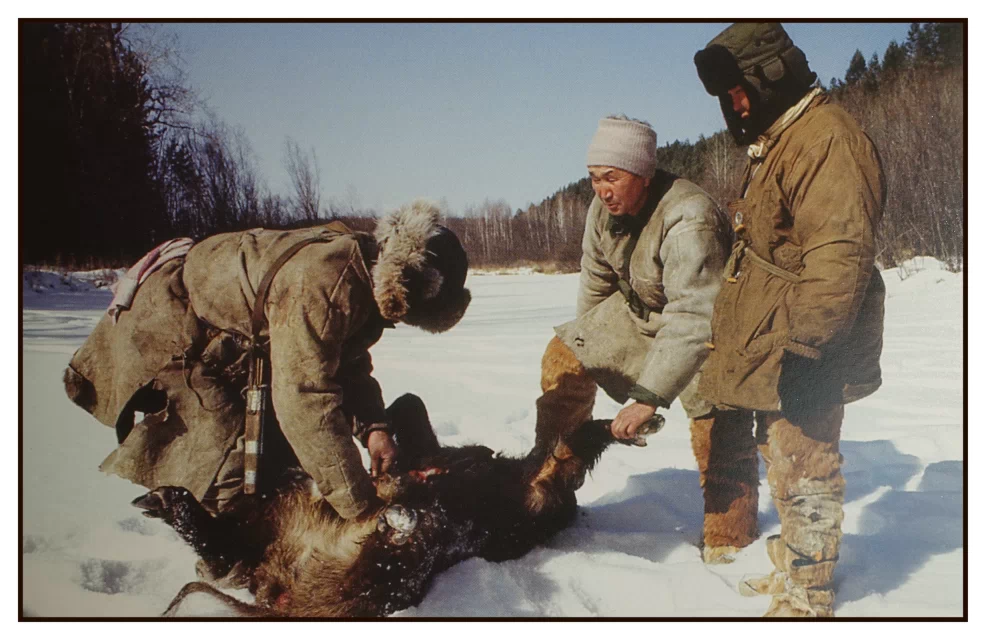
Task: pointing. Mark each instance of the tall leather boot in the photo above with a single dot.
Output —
(726, 453)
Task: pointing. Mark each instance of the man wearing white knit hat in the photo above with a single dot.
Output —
(652, 258)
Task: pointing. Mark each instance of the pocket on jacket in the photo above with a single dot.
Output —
(750, 324)
(754, 306)
(773, 315)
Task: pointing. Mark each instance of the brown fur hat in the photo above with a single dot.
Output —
(420, 273)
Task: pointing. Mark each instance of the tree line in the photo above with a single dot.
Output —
(117, 155)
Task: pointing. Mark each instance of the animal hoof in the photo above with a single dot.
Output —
(401, 522)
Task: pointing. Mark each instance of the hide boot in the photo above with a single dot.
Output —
(774, 582)
(568, 394)
(806, 483)
(726, 453)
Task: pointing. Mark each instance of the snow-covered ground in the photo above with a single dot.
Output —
(632, 552)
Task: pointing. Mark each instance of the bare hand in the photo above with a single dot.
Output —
(624, 426)
(383, 452)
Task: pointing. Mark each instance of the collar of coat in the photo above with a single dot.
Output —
(766, 141)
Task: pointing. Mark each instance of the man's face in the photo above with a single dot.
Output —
(622, 192)
(741, 102)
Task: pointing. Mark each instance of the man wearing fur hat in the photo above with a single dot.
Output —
(177, 351)
(652, 257)
(797, 328)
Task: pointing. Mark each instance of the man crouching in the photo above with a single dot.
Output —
(652, 258)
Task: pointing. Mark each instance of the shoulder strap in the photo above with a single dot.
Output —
(257, 317)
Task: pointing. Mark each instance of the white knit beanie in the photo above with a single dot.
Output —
(624, 144)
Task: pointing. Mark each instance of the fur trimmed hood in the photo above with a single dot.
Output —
(420, 271)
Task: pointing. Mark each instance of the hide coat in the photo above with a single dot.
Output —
(649, 342)
(801, 277)
(179, 356)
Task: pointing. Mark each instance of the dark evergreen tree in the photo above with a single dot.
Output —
(950, 41)
(88, 150)
(921, 44)
(894, 58)
(871, 77)
(856, 70)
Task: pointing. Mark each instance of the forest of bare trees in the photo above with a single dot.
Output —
(116, 156)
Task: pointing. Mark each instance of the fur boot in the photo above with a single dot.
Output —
(773, 583)
(726, 453)
(806, 483)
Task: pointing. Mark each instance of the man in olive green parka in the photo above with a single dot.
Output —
(797, 327)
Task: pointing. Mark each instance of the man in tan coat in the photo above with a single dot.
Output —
(797, 328)
(652, 256)
(178, 354)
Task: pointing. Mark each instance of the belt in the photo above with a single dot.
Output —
(741, 250)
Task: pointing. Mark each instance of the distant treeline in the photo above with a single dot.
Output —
(113, 161)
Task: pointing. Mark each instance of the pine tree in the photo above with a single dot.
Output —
(871, 77)
(856, 70)
(921, 43)
(894, 58)
(89, 165)
(950, 40)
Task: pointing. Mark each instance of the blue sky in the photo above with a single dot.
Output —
(465, 111)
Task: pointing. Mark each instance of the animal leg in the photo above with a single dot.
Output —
(412, 428)
(246, 610)
(556, 476)
(568, 394)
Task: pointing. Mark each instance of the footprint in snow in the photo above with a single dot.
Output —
(102, 575)
(517, 416)
(34, 543)
(140, 525)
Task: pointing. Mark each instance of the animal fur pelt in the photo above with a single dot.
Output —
(443, 505)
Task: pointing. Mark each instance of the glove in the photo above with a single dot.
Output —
(806, 387)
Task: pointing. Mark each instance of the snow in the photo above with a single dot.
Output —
(632, 551)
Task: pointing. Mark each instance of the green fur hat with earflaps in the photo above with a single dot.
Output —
(761, 58)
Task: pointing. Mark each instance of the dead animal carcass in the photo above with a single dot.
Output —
(442, 506)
